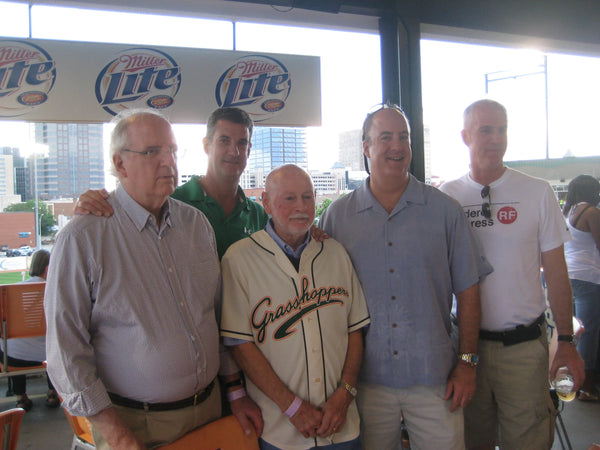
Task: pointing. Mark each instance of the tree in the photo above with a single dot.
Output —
(322, 207)
(47, 219)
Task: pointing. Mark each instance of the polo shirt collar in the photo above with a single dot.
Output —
(197, 193)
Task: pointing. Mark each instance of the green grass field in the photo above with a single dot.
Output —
(11, 277)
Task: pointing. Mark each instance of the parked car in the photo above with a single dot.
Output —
(13, 252)
(25, 250)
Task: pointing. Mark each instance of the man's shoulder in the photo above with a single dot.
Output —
(185, 210)
(345, 201)
(259, 239)
(513, 175)
(190, 190)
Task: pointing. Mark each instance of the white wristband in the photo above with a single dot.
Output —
(235, 395)
(294, 407)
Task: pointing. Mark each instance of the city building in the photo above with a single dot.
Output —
(75, 161)
(273, 147)
(351, 150)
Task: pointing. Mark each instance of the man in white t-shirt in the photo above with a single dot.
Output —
(520, 226)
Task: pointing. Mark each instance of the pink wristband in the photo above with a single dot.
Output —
(293, 408)
(237, 394)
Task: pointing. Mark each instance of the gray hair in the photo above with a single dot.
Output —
(468, 114)
(119, 138)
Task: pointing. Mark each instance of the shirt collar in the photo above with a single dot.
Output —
(285, 247)
(412, 194)
(197, 193)
(137, 213)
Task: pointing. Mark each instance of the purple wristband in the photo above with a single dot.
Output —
(237, 394)
(294, 407)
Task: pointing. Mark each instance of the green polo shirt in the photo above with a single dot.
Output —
(246, 218)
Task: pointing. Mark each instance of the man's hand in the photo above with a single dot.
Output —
(94, 202)
(461, 386)
(318, 234)
(567, 355)
(307, 419)
(114, 431)
(334, 412)
(248, 415)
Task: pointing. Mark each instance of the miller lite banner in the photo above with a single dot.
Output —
(57, 81)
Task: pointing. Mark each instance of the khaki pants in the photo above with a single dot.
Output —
(431, 425)
(158, 428)
(512, 405)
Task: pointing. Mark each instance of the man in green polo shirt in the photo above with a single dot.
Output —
(217, 194)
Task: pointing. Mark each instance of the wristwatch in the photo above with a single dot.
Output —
(471, 359)
(349, 388)
(570, 338)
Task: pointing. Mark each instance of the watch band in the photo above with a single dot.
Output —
(570, 338)
(351, 389)
(471, 359)
(234, 383)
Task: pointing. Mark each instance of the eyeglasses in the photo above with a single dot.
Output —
(486, 207)
(153, 152)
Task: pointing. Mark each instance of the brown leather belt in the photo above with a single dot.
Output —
(194, 400)
(521, 333)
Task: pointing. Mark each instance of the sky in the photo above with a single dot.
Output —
(453, 75)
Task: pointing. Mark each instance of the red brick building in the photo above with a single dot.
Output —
(17, 228)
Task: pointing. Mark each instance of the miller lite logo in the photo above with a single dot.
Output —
(259, 84)
(27, 75)
(138, 78)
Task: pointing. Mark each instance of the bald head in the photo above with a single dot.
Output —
(471, 110)
(289, 199)
(282, 172)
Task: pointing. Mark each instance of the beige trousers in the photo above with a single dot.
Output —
(158, 428)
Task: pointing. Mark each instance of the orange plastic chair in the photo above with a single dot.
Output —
(222, 434)
(10, 425)
(82, 431)
(22, 315)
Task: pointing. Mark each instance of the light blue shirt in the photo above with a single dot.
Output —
(282, 245)
(409, 262)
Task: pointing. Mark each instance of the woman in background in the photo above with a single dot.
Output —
(583, 260)
(30, 352)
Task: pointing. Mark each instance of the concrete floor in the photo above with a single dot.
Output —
(47, 429)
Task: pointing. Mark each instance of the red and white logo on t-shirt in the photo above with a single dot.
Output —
(507, 215)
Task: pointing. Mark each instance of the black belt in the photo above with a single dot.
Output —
(522, 333)
(194, 400)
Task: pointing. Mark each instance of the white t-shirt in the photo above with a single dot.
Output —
(526, 221)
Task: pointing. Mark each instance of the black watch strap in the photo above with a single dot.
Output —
(233, 383)
(570, 338)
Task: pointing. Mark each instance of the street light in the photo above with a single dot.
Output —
(38, 236)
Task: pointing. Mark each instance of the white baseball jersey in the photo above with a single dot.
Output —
(300, 321)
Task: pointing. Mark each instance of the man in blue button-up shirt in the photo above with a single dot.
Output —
(412, 249)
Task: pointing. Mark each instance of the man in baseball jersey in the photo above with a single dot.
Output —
(520, 227)
(293, 314)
